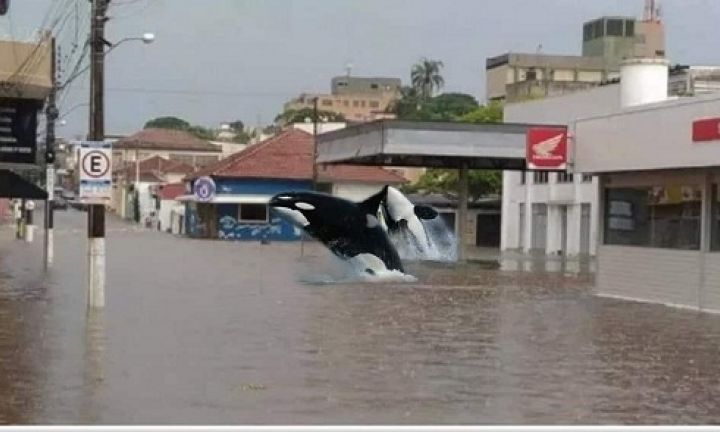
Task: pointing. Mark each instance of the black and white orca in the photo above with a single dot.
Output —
(402, 218)
(351, 230)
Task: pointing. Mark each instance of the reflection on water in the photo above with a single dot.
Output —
(220, 332)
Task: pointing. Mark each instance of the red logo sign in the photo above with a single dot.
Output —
(546, 148)
(706, 130)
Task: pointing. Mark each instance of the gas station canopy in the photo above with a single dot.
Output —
(427, 144)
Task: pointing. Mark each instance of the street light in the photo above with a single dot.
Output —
(146, 38)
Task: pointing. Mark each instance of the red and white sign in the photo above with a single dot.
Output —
(547, 148)
(706, 130)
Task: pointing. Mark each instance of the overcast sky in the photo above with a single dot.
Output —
(221, 60)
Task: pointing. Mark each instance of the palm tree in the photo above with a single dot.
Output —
(426, 77)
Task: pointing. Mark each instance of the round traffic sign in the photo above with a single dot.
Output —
(95, 164)
(204, 189)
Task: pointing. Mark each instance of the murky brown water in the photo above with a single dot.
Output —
(215, 332)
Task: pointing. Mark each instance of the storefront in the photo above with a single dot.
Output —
(659, 168)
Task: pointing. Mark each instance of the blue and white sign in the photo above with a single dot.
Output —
(95, 160)
(204, 189)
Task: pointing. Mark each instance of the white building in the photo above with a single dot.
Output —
(659, 237)
(555, 213)
(547, 212)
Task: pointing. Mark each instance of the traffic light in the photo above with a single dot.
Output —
(4, 6)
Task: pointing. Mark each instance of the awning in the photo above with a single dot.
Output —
(229, 199)
(13, 185)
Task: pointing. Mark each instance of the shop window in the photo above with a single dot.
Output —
(565, 177)
(715, 219)
(654, 216)
(540, 177)
(253, 213)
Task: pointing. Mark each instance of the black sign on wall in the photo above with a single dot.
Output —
(18, 130)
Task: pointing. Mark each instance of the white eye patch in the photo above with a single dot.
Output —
(295, 216)
(304, 206)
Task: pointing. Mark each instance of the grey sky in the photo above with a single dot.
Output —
(220, 60)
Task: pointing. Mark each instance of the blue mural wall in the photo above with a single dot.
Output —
(229, 228)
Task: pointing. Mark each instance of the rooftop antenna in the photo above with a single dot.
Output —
(652, 10)
(539, 49)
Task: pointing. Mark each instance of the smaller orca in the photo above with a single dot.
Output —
(350, 230)
(402, 217)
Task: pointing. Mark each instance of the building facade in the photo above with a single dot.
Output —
(606, 42)
(553, 213)
(174, 145)
(659, 237)
(358, 99)
(247, 180)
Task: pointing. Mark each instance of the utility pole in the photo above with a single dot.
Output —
(51, 114)
(315, 132)
(96, 212)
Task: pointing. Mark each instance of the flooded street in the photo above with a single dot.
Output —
(224, 332)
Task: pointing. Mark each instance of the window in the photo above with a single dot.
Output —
(531, 75)
(342, 84)
(587, 178)
(715, 219)
(356, 103)
(362, 103)
(565, 177)
(374, 104)
(522, 177)
(654, 216)
(614, 27)
(629, 28)
(598, 30)
(374, 86)
(326, 102)
(346, 103)
(253, 213)
(587, 32)
(540, 177)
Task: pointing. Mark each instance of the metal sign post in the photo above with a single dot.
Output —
(95, 162)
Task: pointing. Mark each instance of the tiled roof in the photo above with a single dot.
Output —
(288, 155)
(155, 166)
(165, 139)
(171, 191)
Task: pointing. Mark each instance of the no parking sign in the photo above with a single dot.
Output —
(95, 160)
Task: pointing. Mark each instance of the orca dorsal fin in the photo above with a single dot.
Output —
(372, 203)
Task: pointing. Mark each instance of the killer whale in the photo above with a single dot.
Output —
(350, 230)
(357, 231)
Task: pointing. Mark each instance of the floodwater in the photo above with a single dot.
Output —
(199, 332)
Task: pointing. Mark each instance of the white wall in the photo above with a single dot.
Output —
(167, 207)
(558, 110)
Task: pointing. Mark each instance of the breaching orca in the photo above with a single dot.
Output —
(402, 218)
(350, 230)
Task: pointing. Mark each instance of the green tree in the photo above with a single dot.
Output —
(480, 182)
(308, 114)
(168, 122)
(439, 180)
(426, 78)
(491, 113)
